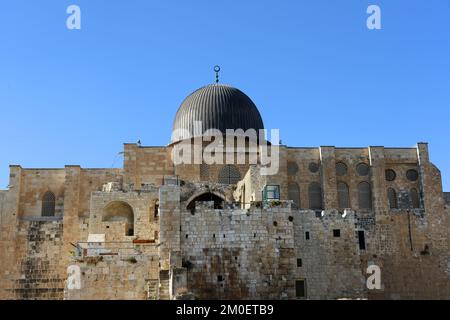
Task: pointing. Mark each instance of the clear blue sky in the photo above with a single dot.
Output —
(312, 67)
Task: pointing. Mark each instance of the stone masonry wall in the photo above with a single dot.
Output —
(238, 254)
(142, 203)
(413, 264)
(146, 165)
(329, 263)
(39, 273)
(125, 274)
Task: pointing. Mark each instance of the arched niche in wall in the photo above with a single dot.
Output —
(294, 194)
(315, 196)
(392, 198)
(118, 211)
(206, 196)
(365, 196)
(343, 195)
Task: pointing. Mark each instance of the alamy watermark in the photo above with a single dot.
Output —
(74, 278)
(374, 20)
(374, 280)
(73, 22)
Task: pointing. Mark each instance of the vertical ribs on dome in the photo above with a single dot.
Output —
(216, 106)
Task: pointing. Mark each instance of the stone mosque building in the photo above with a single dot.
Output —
(158, 230)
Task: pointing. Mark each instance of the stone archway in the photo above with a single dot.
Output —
(206, 196)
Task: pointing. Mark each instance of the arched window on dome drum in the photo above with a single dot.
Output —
(48, 204)
(364, 196)
(294, 194)
(343, 196)
(392, 198)
(229, 175)
(315, 196)
(415, 201)
(204, 172)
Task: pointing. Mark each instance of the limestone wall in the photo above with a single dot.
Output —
(329, 263)
(3, 199)
(34, 183)
(129, 274)
(447, 197)
(414, 264)
(146, 225)
(92, 180)
(146, 165)
(238, 253)
(39, 273)
(241, 251)
(378, 158)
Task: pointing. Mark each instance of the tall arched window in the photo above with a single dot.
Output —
(204, 172)
(294, 194)
(414, 195)
(364, 195)
(315, 196)
(292, 168)
(48, 204)
(229, 175)
(343, 196)
(392, 198)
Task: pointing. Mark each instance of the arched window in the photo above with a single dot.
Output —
(392, 198)
(364, 195)
(292, 168)
(343, 196)
(414, 195)
(204, 172)
(48, 204)
(118, 211)
(229, 175)
(315, 196)
(294, 194)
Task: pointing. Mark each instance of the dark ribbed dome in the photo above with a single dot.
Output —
(220, 107)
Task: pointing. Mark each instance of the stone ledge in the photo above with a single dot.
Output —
(56, 218)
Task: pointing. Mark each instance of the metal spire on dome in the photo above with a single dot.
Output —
(217, 70)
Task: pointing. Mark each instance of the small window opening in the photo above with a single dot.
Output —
(300, 288)
(361, 240)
